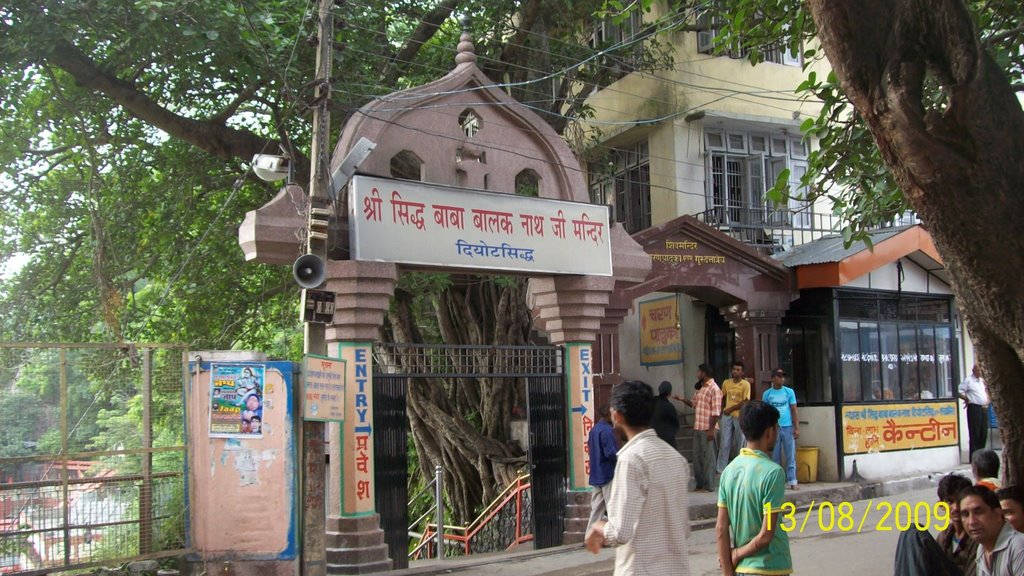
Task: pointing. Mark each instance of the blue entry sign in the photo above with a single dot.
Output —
(992, 423)
(323, 396)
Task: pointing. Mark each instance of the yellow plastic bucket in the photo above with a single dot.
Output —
(807, 464)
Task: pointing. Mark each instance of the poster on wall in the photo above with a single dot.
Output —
(661, 340)
(888, 427)
(236, 400)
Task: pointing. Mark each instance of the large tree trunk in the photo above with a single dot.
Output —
(961, 166)
(463, 425)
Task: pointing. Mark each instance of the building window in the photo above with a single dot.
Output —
(624, 49)
(469, 122)
(407, 165)
(742, 167)
(624, 181)
(709, 23)
(802, 356)
(895, 349)
(528, 183)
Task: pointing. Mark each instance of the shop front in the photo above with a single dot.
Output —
(869, 338)
(873, 346)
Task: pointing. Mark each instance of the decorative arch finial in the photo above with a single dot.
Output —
(466, 52)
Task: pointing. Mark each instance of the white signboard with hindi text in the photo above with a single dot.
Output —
(323, 389)
(430, 225)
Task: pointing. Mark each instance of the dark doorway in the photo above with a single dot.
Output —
(721, 343)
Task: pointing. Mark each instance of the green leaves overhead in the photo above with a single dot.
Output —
(126, 129)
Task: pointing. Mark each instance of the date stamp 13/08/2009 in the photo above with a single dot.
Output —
(830, 517)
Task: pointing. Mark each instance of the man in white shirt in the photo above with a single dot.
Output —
(648, 517)
(974, 394)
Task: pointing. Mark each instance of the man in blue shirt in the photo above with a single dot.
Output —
(602, 447)
(784, 400)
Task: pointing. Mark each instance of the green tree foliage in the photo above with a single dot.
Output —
(22, 415)
(126, 129)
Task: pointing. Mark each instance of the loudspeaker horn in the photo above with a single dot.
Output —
(308, 271)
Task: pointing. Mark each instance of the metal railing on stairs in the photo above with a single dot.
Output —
(438, 510)
(503, 525)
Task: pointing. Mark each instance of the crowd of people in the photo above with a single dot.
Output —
(985, 536)
(638, 506)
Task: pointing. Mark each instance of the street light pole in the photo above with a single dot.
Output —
(314, 509)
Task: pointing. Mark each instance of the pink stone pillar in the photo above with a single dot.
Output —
(355, 542)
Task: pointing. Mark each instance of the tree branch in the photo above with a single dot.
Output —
(242, 97)
(211, 136)
(46, 153)
(528, 13)
(1004, 35)
(428, 26)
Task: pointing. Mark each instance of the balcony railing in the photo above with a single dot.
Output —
(769, 230)
(773, 230)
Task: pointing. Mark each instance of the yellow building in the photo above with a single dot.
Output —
(871, 340)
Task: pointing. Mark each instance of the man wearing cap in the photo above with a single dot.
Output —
(784, 400)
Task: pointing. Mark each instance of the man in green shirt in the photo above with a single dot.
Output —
(751, 493)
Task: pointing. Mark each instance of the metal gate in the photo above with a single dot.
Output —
(542, 369)
(391, 464)
(548, 459)
(92, 455)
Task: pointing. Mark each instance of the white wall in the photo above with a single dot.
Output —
(915, 279)
(818, 429)
(904, 463)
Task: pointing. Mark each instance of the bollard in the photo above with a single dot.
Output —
(439, 501)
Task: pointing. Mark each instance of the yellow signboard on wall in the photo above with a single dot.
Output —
(910, 426)
(660, 336)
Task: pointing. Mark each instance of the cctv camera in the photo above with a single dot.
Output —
(269, 167)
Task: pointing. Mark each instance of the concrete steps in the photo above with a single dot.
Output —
(356, 546)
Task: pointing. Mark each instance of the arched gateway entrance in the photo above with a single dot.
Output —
(470, 147)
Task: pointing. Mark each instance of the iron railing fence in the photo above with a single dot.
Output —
(466, 361)
(92, 455)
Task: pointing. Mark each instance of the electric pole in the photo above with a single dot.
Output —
(314, 508)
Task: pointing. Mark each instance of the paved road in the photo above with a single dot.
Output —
(815, 551)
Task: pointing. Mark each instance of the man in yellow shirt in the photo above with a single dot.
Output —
(737, 393)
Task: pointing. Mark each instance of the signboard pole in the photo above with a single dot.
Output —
(314, 509)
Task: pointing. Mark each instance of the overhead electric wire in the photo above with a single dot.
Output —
(738, 94)
(545, 75)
